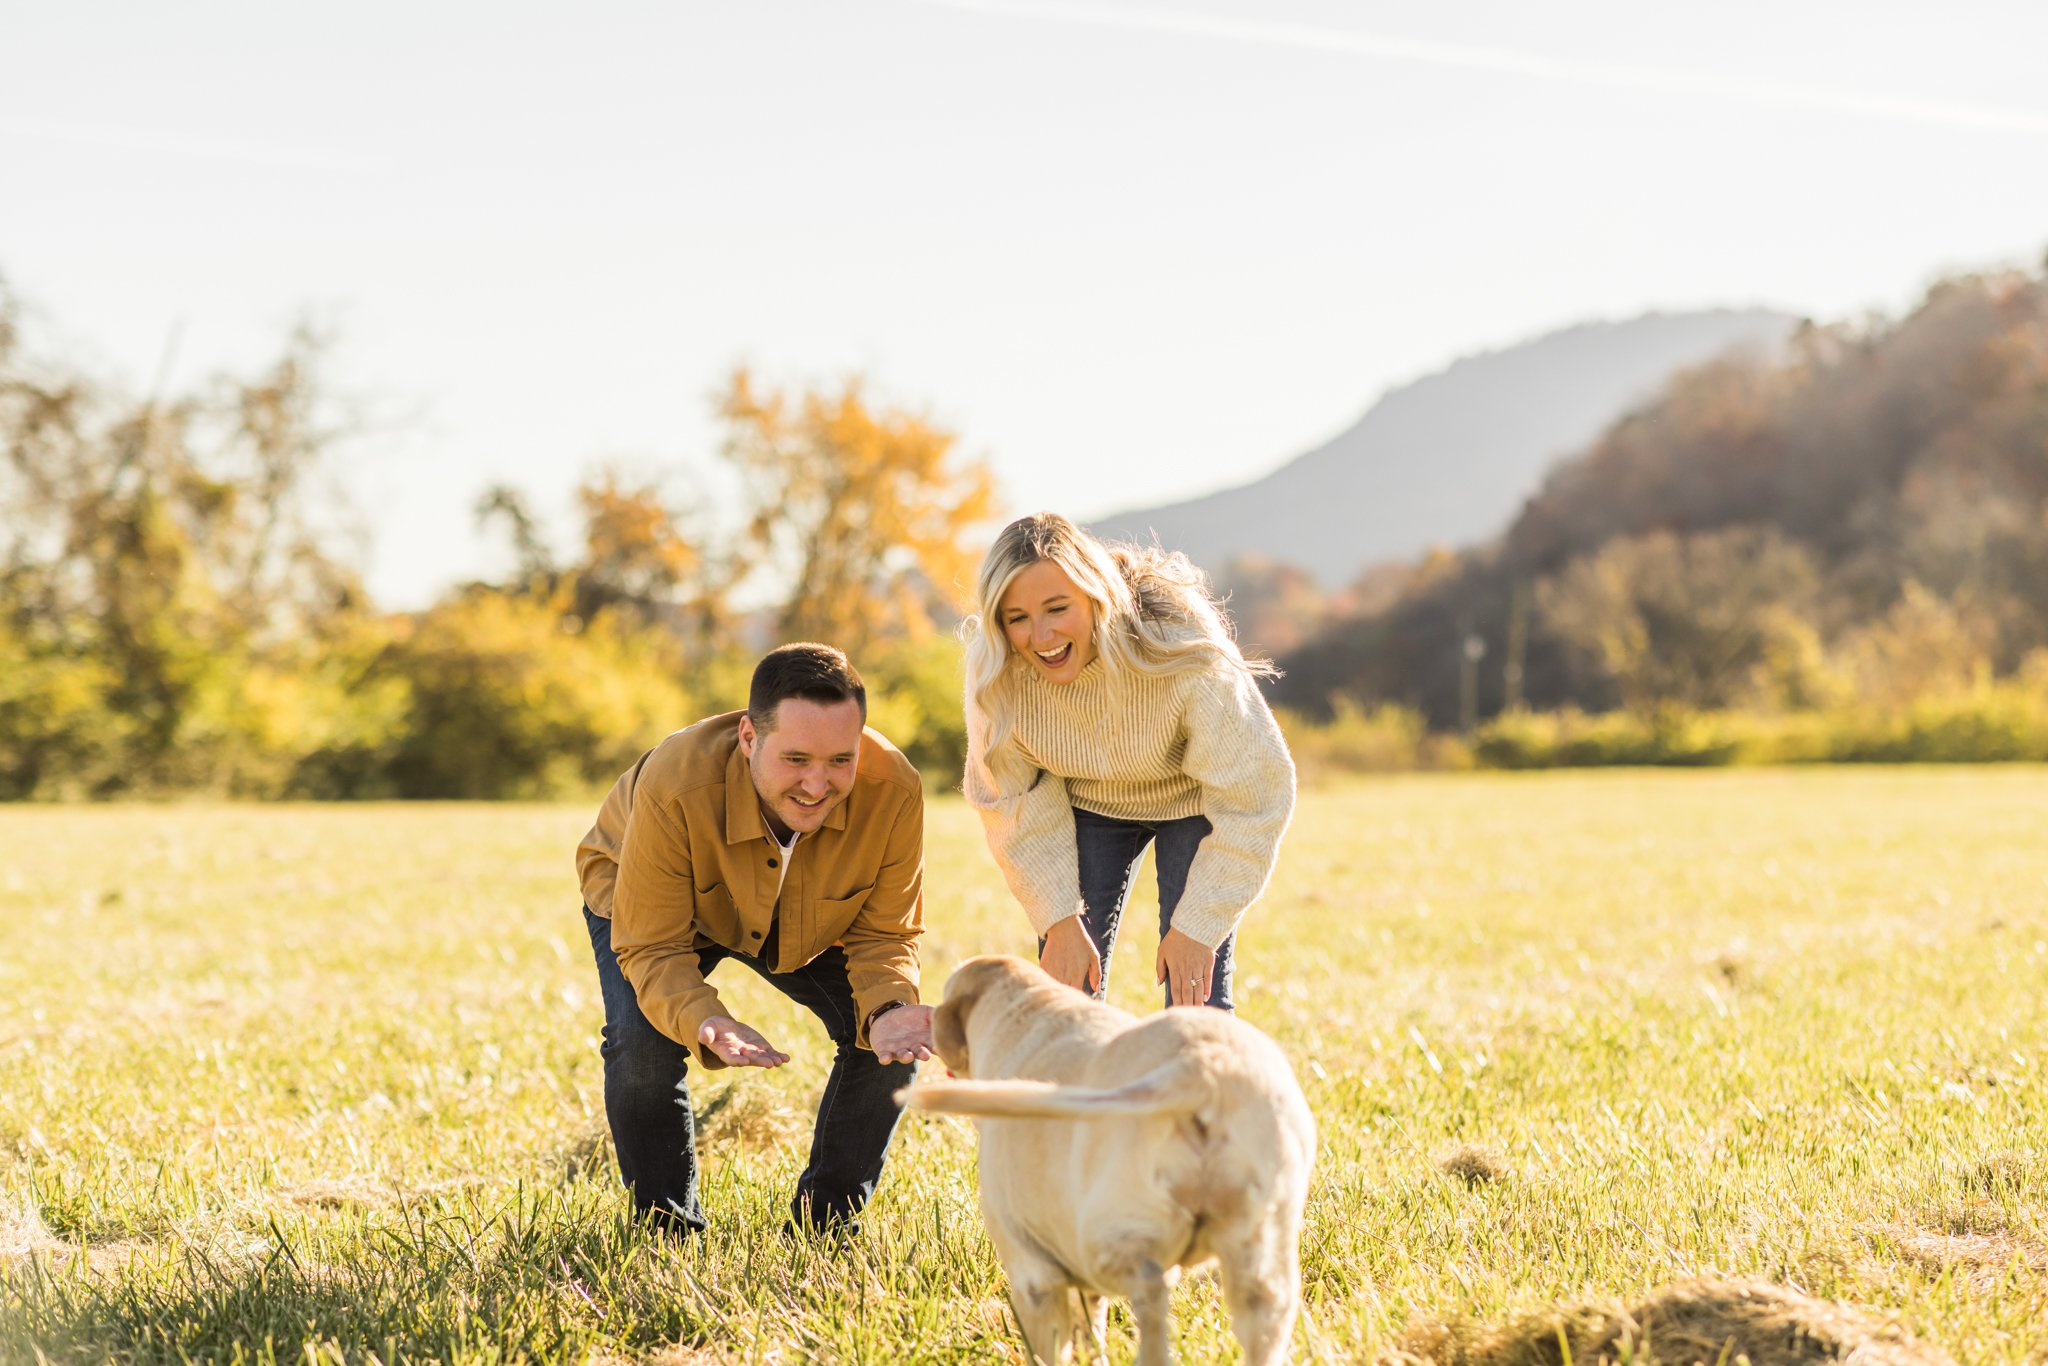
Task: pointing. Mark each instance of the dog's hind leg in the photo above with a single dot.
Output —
(1151, 1294)
(1261, 1273)
(1095, 1313)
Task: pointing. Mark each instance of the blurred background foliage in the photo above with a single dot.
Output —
(179, 612)
(1837, 554)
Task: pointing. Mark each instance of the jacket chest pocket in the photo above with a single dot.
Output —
(832, 918)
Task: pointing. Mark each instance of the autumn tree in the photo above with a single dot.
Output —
(640, 559)
(157, 550)
(639, 563)
(863, 513)
(1680, 619)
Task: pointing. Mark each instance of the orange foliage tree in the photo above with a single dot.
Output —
(863, 512)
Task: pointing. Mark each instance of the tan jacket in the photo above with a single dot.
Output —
(680, 858)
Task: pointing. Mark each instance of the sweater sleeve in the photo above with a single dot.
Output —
(1236, 752)
(1030, 833)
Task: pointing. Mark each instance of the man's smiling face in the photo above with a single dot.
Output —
(803, 765)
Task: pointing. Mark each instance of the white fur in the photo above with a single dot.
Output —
(1115, 1152)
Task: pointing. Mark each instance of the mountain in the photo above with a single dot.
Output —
(1860, 519)
(1448, 459)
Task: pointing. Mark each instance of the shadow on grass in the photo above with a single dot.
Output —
(549, 1275)
(441, 1280)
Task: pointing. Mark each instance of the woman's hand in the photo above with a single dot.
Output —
(1070, 956)
(1186, 964)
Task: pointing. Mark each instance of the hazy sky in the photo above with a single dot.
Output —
(1129, 250)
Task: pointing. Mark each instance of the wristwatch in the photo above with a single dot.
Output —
(878, 1012)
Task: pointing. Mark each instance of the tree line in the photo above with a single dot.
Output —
(180, 611)
(1855, 528)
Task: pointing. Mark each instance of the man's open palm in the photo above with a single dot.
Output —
(740, 1045)
(903, 1034)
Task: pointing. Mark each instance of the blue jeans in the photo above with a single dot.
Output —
(1110, 851)
(648, 1103)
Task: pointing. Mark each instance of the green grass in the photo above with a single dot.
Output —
(320, 1083)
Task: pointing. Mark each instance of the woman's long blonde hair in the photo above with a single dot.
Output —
(1154, 613)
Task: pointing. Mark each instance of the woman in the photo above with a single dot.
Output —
(1108, 707)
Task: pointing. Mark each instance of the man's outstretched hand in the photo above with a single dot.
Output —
(903, 1034)
(742, 1045)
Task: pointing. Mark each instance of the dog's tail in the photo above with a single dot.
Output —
(1175, 1088)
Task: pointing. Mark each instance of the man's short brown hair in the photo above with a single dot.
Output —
(813, 672)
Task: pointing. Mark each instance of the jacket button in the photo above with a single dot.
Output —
(757, 934)
(771, 863)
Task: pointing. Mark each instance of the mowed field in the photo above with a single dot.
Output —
(320, 1083)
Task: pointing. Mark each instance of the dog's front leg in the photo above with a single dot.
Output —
(1045, 1311)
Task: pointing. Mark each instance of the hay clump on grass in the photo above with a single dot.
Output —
(1475, 1164)
(23, 1232)
(676, 1354)
(750, 1117)
(1693, 1323)
(1980, 1260)
(340, 1195)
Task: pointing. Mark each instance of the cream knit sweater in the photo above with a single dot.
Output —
(1139, 747)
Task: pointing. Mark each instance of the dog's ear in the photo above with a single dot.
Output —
(949, 1031)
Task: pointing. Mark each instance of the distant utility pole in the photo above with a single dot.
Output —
(1518, 648)
(1468, 681)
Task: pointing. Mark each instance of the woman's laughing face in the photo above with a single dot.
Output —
(1049, 622)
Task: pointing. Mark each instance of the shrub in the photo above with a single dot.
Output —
(505, 701)
(60, 735)
(1991, 723)
(1674, 736)
(1384, 739)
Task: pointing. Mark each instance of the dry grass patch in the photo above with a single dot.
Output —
(359, 1193)
(1475, 1164)
(743, 1116)
(26, 1239)
(23, 1232)
(1692, 1323)
(1980, 1260)
(679, 1355)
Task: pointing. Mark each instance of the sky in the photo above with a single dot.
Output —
(1129, 251)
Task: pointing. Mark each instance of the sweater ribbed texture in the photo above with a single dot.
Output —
(1139, 747)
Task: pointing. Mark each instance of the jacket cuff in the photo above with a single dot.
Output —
(870, 1007)
(692, 1019)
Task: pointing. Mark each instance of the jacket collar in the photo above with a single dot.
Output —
(743, 819)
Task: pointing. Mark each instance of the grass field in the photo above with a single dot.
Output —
(313, 1084)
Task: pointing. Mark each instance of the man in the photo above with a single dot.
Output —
(790, 838)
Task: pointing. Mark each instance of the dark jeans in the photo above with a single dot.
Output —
(1110, 851)
(648, 1103)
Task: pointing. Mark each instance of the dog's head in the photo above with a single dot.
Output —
(975, 981)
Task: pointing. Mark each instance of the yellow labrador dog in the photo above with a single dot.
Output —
(1116, 1151)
